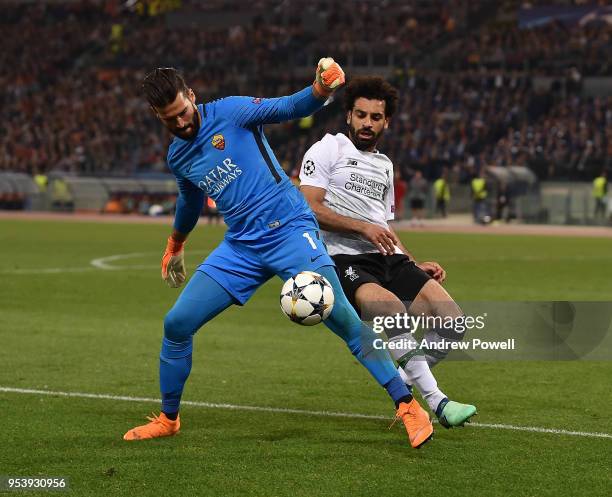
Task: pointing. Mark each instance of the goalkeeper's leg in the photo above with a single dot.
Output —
(201, 300)
(345, 322)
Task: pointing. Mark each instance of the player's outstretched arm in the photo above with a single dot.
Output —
(247, 112)
(329, 220)
(189, 205)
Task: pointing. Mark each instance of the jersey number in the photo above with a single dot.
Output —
(310, 240)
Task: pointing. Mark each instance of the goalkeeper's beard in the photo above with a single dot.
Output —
(362, 143)
(195, 125)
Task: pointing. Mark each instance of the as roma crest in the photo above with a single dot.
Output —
(218, 142)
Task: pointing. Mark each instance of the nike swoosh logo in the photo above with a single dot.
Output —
(312, 259)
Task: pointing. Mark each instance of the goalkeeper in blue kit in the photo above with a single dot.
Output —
(220, 151)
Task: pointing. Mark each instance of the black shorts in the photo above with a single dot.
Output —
(417, 203)
(396, 273)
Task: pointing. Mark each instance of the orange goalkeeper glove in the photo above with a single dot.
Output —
(329, 77)
(173, 264)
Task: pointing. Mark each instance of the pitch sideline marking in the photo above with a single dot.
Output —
(281, 410)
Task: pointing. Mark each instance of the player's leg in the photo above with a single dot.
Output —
(375, 300)
(411, 284)
(433, 300)
(364, 288)
(226, 277)
(201, 300)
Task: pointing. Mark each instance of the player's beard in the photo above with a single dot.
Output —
(190, 131)
(364, 143)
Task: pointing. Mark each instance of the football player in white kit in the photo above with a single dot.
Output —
(349, 186)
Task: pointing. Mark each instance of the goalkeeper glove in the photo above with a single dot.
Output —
(173, 264)
(329, 77)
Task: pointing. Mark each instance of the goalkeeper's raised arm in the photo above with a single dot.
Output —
(248, 111)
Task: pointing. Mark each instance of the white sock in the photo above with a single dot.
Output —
(438, 346)
(416, 371)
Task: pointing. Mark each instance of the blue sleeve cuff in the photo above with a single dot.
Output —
(305, 103)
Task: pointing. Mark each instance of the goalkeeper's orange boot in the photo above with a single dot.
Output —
(159, 426)
(417, 422)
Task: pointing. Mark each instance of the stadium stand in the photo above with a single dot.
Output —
(477, 86)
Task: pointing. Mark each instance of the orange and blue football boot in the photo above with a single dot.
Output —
(416, 421)
(159, 426)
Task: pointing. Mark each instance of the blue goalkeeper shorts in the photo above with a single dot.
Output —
(241, 267)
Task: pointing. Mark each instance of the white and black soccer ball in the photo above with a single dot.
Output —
(307, 298)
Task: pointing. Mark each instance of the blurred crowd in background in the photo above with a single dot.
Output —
(71, 74)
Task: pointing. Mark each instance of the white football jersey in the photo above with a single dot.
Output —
(358, 184)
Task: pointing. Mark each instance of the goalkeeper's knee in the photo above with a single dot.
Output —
(179, 326)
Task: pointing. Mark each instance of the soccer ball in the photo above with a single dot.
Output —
(307, 298)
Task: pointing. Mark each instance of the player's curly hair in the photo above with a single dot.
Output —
(162, 85)
(372, 88)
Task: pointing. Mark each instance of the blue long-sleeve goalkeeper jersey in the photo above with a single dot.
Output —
(231, 162)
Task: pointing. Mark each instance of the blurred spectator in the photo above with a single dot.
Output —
(41, 181)
(502, 204)
(418, 196)
(442, 193)
(600, 191)
(144, 205)
(399, 191)
(61, 198)
(479, 198)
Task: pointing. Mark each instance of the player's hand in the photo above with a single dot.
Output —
(384, 240)
(329, 77)
(434, 270)
(173, 263)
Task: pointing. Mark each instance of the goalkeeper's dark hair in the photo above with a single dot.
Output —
(372, 88)
(162, 85)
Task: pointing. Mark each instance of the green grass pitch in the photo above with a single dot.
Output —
(76, 328)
